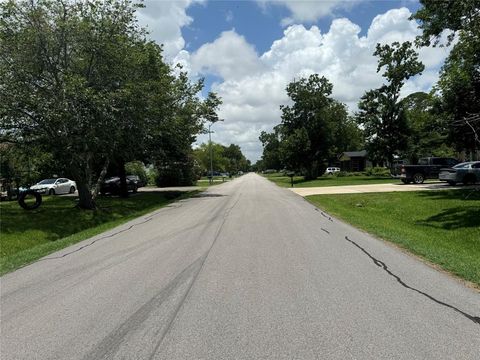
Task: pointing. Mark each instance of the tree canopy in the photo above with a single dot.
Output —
(81, 81)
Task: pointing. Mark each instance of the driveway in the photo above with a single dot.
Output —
(375, 188)
(246, 270)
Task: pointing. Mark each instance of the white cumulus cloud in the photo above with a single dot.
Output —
(164, 20)
(308, 11)
(253, 86)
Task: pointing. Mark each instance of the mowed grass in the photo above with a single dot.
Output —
(298, 181)
(26, 236)
(440, 226)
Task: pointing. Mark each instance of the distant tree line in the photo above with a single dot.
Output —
(225, 159)
(316, 129)
(83, 91)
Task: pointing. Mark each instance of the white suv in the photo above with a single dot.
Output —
(332, 170)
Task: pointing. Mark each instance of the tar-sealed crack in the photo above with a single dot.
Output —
(96, 240)
(381, 264)
(325, 230)
(324, 215)
(146, 219)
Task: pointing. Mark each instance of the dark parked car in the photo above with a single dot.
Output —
(112, 186)
(466, 173)
(427, 168)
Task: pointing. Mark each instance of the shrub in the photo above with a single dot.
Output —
(377, 171)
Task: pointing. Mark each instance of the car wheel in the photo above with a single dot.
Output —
(72, 189)
(51, 192)
(418, 178)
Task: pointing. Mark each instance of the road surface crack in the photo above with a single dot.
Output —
(381, 264)
(96, 240)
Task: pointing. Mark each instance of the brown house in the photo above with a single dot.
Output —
(354, 161)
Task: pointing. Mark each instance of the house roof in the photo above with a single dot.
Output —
(350, 154)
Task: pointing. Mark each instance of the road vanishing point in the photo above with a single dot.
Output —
(245, 270)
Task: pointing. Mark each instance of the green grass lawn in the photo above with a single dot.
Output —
(440, 226)
(28, 235)
(298, 181)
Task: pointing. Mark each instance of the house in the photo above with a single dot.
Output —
(354, 161)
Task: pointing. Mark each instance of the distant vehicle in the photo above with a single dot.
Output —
(112, 186)
(137, 180)
(55, 186)
(240, 173)
(269, 171)
(466, 173)
(427, 168)
(332, 170)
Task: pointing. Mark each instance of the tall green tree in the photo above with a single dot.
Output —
(380, 110)
(459, 83)
(307, 127)
(427, 125)
(80, 81)
(271, 150)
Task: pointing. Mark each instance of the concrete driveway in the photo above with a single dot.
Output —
(375, 188)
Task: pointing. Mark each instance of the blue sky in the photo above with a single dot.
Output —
(248, 51)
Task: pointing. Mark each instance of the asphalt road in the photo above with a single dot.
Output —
(246, 271)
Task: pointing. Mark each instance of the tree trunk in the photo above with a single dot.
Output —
(100, 180)
(86, 200)
(123, 179)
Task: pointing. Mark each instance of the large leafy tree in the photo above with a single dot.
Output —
(62, 70)
(307, 127)
(459, 82)
(380, 110)
(271, 150)
(427, 125)
(437, 16)
(80, 81)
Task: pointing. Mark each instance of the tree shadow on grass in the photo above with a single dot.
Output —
(467, 194)
(454, 218)
(464, 214)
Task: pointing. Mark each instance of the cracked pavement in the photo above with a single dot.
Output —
(247, 270)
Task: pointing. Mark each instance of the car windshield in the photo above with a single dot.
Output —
(462, 166)
(47, 181)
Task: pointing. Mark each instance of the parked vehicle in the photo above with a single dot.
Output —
(55, 186)
(332, 170)
(112, 186)
(137, 180)
(427, 168)
(466, 173)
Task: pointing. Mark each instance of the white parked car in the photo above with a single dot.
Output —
(332, 170)
(55, 186)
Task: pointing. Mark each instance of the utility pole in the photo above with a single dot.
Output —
(211, 150)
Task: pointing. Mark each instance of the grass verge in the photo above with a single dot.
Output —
(298, 181)
(440, 226)
(29, 235)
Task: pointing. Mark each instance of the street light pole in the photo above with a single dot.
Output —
(211, 150)
(211, 154)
